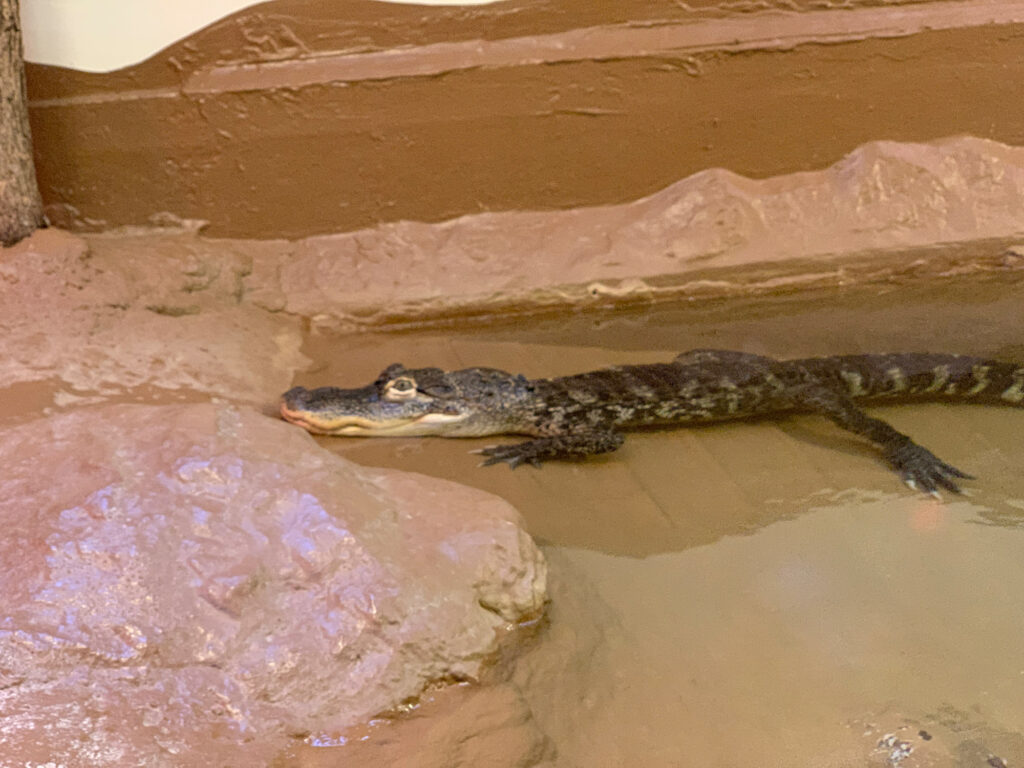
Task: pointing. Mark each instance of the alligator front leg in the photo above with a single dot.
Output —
(557, 447)
(919, 467)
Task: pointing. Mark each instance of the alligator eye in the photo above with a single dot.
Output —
(401, 389)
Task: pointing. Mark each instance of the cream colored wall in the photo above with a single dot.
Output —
(104, 35)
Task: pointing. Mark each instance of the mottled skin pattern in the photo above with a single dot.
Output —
(584, 414)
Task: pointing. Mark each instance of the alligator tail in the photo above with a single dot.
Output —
(923, 376)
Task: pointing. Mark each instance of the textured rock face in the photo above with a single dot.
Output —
(192, 585)
(158, 310)
(884, 196)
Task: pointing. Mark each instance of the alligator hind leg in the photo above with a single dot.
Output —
(556, 447)
(919, 467)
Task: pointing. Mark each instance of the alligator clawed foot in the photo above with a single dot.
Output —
(923, 471)
(540, 449)
(513, 455)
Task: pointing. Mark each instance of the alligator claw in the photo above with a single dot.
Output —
(540, 449)
(922, 471)
(513, 455)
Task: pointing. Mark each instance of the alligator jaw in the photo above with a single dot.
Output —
(361, 426)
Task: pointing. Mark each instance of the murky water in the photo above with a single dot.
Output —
(764, 593)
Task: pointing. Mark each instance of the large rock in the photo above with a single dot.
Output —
(193, 585)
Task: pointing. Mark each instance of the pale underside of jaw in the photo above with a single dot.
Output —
(356, 426)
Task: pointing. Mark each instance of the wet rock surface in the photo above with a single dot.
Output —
(201, 585)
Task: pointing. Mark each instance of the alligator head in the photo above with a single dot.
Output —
(411, 402)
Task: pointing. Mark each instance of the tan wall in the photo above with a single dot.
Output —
(307, 116)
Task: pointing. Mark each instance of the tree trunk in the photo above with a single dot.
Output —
(21, 210)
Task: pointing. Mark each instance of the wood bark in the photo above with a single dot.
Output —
(21, 209)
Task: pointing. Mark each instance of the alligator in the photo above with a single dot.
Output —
(581, 415)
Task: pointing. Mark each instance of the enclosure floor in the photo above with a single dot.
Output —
(751, 594)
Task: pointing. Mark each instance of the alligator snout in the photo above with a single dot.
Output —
(295, 398)
(294, 403)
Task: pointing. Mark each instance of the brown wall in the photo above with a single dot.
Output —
(300, 117)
